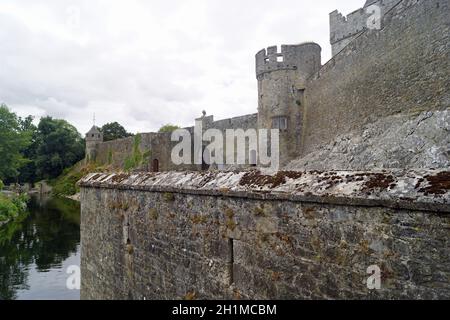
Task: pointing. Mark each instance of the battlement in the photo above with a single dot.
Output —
(304, 57)
(343, 29)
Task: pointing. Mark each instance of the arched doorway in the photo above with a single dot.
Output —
(155, 165)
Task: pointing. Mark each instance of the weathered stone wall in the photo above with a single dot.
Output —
(116, 152)
(293, 235)
(280, 91)
(158, 146)
(399, 69)
(238, 123)
(407, 141)
(344, 30)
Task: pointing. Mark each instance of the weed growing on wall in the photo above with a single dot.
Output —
(137, 158)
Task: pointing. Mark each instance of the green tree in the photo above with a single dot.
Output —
(114, 131)
(13, 139)
(59, 146)
(168, 128)
(28, 171)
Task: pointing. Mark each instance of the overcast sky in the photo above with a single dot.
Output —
(145, 63)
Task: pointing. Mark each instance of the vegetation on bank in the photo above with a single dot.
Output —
(66, 183)
(33, 153)
(51, 151)
(12, 206)
(15, 137)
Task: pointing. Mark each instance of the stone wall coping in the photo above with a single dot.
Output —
(427, 190)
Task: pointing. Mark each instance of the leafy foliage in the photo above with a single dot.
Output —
(134, 159)
(31, 153)
(27, 172)
(59, 146)
(11, 207)
(65, 185)
(114, 131)
(168, 128)
(13, 139)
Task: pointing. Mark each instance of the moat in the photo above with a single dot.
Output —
(37, 249)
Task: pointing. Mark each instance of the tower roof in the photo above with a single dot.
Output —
(94, 130)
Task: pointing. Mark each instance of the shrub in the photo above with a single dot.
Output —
(12, 207)
(65, 185)
(7, 209)
(21, 202)
(1, 185)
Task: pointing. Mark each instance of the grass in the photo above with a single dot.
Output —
(136, 159)
(66, 183)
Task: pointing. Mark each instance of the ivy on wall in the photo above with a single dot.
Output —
(137, 158)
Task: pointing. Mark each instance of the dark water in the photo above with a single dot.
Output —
(37, 249)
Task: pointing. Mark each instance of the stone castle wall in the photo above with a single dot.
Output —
(293, 235)
(281, 85)
(399, 69)
(117, 151)
(158, 146)
(402, 68)
(405, 141)
(253, 236)
(344, 30)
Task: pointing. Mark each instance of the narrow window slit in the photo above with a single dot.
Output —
(231, 260)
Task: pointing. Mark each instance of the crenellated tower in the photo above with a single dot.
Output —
(282, 77)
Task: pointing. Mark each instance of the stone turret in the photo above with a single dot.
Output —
(93, 138)
(282, 77)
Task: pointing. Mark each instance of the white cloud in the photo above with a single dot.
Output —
(146, 63)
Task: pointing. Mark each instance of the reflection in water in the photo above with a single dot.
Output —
(37, 248)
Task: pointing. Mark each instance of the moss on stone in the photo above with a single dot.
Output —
(190, 296)
(110, 156)
(230, 223)
(259, 212)
(199, 219)
(153, 214)
(130, 249)
(168, 197)
(136, 159)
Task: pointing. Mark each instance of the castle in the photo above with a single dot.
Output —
(311, 103)
(184, 233)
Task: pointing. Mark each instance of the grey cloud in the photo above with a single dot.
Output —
(146, 63)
